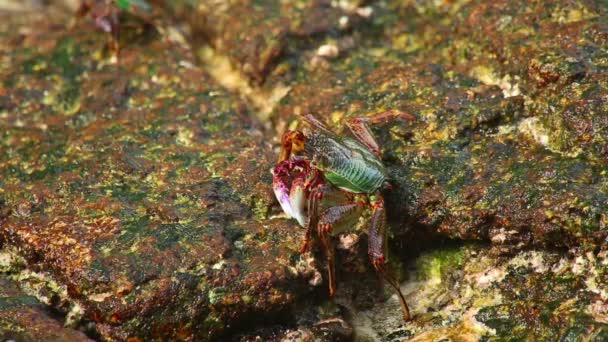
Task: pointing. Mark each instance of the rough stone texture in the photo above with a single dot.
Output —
(139, 185)
(470, 294)
(550, 52)
(23, 318)
(510, 131)
(268, 39)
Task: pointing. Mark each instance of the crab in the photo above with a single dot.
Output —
(106, 14)
(328, 183)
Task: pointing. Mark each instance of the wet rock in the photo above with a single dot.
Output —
(550, 69)
(140, 186)
(509, 140)
(298, 336)
(23, 318)
(547, 51)
(469, 293)
(265, 39)
(331, 329)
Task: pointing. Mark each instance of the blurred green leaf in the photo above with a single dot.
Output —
(128, 4)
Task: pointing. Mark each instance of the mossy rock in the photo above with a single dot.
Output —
(140, 185)
(23, 318)
(473, 293)
(509, 141)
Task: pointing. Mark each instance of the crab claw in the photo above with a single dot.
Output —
(289, 185)
(297, 198)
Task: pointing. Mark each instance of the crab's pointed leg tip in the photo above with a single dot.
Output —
(305, 247)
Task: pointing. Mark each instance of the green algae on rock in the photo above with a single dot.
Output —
(482, 161)
(135, 185)
(266, 39)
(142, 186)
(550, 52)
(23, 318)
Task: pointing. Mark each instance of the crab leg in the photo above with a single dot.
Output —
(321, 192)
(106, 18)
(377, 247)
(332, 221)
(313, 217)
(360, 127)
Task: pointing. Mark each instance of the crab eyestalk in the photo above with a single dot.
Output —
(292, 142)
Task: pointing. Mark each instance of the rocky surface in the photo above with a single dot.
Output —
(135, 189)
(23, 318)
(140, 186)
(497, 152)
(267, 40)
(469, 294)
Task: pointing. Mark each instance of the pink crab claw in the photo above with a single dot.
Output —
(289, 185)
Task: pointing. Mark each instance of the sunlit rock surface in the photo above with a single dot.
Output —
(141, 186)
(137, 186)
(510, 138)
(23, 318)
(469, 294)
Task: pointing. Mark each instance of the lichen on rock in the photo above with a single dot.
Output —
(138, 187)
(496, 152)
(470, 293)
(23, 318)
(131, 185)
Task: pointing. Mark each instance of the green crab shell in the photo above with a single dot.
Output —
(346, 163)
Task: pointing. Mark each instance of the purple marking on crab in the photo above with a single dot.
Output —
(289, 185)
(281, 191)
(104, 24)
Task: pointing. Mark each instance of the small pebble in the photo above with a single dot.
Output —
(328, 50)
(343, 22)
(365, 12)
